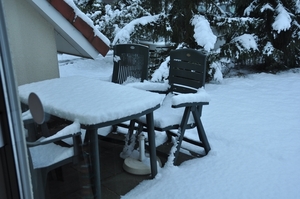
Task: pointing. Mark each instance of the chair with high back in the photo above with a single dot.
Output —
(182, 106)
(45, 153)
(130, 63)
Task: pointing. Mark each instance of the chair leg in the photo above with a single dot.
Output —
(201, 132)
(114, 128)
(32, 131)
(45, 129)
(38, 184)
(86, 138)
(181, 132)
(59, 174)
(129, 141)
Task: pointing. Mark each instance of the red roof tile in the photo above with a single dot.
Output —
(86, 30)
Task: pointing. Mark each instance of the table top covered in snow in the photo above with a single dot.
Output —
(88, 100)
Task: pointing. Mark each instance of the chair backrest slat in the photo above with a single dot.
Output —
(187, 70)
(132, 62)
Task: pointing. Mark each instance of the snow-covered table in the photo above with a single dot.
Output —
(95, 104)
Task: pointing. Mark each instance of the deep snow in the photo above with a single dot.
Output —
(252, 124)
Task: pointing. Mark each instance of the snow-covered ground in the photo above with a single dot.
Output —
(253, 126)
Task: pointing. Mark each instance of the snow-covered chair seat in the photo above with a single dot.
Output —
(168, 116)
(45, 153)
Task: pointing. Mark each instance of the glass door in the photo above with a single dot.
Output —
(14, 168)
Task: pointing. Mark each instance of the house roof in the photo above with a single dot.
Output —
(74, 32)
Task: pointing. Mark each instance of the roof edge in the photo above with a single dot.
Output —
(88, 47)
(83, 24)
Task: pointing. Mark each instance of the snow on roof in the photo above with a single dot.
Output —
(83, 24)
(75, 32)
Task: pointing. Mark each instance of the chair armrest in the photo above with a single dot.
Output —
(28, 121)
(191, 99)
(69, 131)
(160, 87)
(42, 142)
(190, 104)
(27, 117)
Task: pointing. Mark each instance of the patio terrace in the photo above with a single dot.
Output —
(115, 180)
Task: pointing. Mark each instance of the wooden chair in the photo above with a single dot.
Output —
(45, 154)
(182, 106)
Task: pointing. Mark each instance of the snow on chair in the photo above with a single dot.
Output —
(130, 63)
(45, 155)
(182, 106)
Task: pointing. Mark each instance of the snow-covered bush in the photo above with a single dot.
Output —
(263, 35)
(258, 34)
(178, 22)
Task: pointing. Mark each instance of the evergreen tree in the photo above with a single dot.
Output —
(249, 31)
(168, 20)
(180, 16)
(85, 5)
(274, 26)
(111, 18)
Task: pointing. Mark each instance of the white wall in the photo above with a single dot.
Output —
(32, 42)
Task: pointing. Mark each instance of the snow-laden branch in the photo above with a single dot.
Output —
(246, 41)
(282, 20)
(268, 49)
(297, 4)
(250, 8)
(203, 33)
(265, 7)
(162, 72)
(123, 35)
